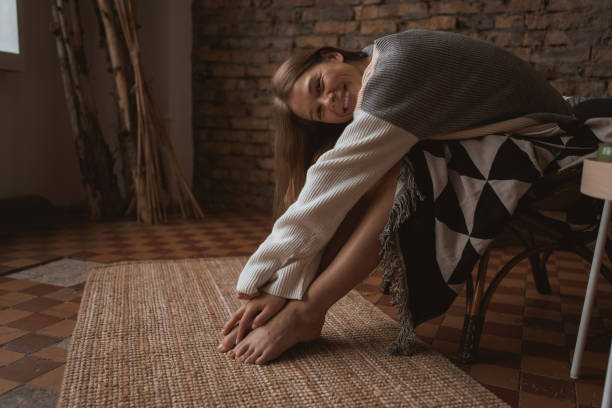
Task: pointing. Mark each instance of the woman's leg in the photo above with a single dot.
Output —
(352, 262)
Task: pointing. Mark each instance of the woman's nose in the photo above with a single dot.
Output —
(328, 99)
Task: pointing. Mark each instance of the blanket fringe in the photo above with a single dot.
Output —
(394, 273)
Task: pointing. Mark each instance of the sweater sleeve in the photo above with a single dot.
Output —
(287, 261)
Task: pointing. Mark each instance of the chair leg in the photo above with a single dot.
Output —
(470, 338)
(477, 299)
(539, 272)
(538, 269)
(473, 321)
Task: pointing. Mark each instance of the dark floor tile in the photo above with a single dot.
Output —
(41, 289)
(449, 334)
(506, 308)
(572, 283)
(532, 348)
(572, 299)
(83, 255)
(542, 304)
(595, 323)
(34, 322)
(553, 288)
(548, 387)
(25, 369)
(543, 324)
(456, 310)
(38, 304)
(510, 397)
(503, 330)
(510, 290)
(501, 358)
(437, 320)
(598, 343)
(30, 343)
(515, 275)
(47, 256)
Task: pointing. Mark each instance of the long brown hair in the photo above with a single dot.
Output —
(298, 143)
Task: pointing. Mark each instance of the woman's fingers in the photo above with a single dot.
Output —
(246, 321)
(264, 316)
(228, 342)
(233, 320)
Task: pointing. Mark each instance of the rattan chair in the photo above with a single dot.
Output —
(539, 236)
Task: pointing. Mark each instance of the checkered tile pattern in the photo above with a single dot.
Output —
(526, 345)
(219, 235)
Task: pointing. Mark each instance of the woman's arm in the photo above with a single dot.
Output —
(287, 261)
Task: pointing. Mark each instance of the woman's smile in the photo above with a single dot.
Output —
(327, 92)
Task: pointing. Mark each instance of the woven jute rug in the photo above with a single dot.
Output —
(147, 332)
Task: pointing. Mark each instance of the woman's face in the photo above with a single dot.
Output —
(327, 92)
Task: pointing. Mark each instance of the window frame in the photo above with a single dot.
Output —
(8, 60)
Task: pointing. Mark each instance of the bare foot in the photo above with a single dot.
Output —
(296, 322)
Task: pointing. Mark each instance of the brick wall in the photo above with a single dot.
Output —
(238, 44)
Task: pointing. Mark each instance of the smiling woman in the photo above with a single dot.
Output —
(327, 92)
(347, 180)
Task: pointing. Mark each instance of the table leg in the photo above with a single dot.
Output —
(591, 288)
(606, 401)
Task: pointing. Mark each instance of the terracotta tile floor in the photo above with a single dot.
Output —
(526, 345)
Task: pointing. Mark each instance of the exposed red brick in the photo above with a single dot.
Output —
(434, 23)
(335, 27)
(525, 5)
(315, 41)
(238, 46)
(366, 12)
(378, 27)
(556, 38)
(509, 21)
(452, 7)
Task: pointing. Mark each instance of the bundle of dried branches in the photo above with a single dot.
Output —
(111, 40)
(153, 143)
(95, 161)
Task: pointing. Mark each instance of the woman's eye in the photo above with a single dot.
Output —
(319, 84)
(319, 112)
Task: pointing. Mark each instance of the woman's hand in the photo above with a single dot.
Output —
(263, 307)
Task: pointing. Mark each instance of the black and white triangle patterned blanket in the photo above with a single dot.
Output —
(465, 192)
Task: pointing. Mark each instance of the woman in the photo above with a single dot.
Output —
(404, 88)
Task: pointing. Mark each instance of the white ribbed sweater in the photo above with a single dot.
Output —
(419, 84)
(287, 261)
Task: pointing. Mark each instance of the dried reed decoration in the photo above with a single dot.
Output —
(95, 161)
(145, 146)
(153, 143)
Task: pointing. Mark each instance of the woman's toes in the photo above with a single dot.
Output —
(253, 357)
(246, 355)
(241, 348)
(262, 359)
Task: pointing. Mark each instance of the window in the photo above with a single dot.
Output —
(11, 42)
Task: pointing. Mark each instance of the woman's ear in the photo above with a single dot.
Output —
(332, 55)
